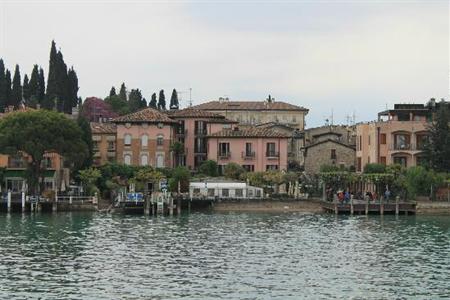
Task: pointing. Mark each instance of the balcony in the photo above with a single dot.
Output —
(181, 132)
(248, 155)
(272, 154)
(200, 132)
(407, 147)
(224, 155)
(16, 164)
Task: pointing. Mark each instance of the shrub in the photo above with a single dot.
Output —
(208, 168)
(374, 168)
(182, 175)
(233, 171)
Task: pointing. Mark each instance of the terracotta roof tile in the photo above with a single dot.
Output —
(99, 128)
(145, 115)
(198, 113)
(249, 132)
(248, 105)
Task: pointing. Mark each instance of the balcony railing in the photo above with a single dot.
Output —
(272, 154)
(248, 155)
(200, 131)
(200, 151)
(224, 155)
(406, 147)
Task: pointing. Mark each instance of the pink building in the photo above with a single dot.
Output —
(193, 127)
(256, 149)
(144, 138)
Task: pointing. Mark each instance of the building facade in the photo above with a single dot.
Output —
(104, 137)
(256, 149)
(251, 113)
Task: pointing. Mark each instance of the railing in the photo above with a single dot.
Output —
(248, 155)
(406, 147)
(200, 151)
(224, 155)
(272, 154)
(76, 199)
(200, 131)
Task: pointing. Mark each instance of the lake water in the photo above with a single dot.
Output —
(224, 256)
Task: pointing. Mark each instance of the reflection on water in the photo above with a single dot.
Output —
(223, 256)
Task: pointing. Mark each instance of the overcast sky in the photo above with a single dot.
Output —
(345, 56)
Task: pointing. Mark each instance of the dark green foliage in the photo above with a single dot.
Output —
(179, 175)
(162, 100)
(153, 102)
(374, 168)
(26, 89)
(174, 100)
(135, 100)
(41, 86)
(52, 81)
(437, 149)
(233, 171)
(7, 87)
(331, 168)
(16, 93)
(123, 92)
(34, 89)
(112, 92)
(38, 132)
(118, 105)
(419, 181)
(87, 138)
(209, 168)
(2, 86)
(72, 89)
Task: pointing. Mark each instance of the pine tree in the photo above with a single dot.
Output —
(123, 92)
(162, 100)
(52, 81)
(174, 100)
(41, 86)
(26, 90)
(73, 90)
(153, 102)
(112, 92)
(7, 87)
(2, 86)
(135, 100)
(16, 94)
(143, 103)
(437, 149)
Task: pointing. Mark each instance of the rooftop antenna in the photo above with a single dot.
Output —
(354, 118)
(332, 117)
(190, 97)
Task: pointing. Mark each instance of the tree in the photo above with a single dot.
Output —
(87, 138)
(88, 178)
(233, 171)
(118, 105)
(123, 92)
(72, 90)
(177, 149)
(112, 92)
(52, 81)
(35, 133)
(135, 100)
(162, 100)
(26, 89)
(180, 175)
(41, 86)
(174, 100)
(209, 168)
(7, 88)
(153, 102)
(374, 168)
(2, 86)
(437, 149)
(420, 182)
(16, 93)
(147, 175)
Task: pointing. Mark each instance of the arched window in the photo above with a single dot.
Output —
(144, 160)
(127, 139)
(127, 159)
(159, 140)
(144, 140)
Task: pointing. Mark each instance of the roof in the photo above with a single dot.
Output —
(253, 132)
(329, 140)
(99, 128)
(148, 114)
(327, 133)
(248, 105)
(275, 124)
(194, 113)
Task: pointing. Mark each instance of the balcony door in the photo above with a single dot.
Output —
(224, 148)
(402, 141)
(270, 149)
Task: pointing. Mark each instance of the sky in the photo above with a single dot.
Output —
(333, 57)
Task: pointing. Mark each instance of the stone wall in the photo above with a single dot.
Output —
(320, 154)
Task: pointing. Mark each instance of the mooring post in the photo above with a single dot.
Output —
(147, 206)
(351, 205)
(178, 205)
(367, 205)
(381, 206)
(55, 203)
(171, 206)
(23, 201)
(189, 206)
(9, 202)
(397, 208)
(70, 200)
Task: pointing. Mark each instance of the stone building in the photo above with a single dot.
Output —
(250, 113)
(104, 142)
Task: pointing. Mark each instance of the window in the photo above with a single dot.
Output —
(270, 149)
(95, 145)
(271, 167)
(359, 166)
(249, 168)
(144, 140)
(258, 193)
(333, 153)
(160, 161)
(401, 142)
(400, 160)
(224, 149)
(127, 159)
(383, 160)
(250, 193)
(294, 119)
(144, 160)
(211, 192)
(225, 192)
(383, 139)
(368, 141)
(239, 193)
(360, 142)
(111, 146)
(248, 150)
(127, 139)
(160, 140)
(47, 162)
(196, 191)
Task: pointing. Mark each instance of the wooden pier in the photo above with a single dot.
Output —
(361, 207)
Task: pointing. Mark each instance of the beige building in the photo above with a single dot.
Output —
(397, 137)
(104, 142)
(250, 113)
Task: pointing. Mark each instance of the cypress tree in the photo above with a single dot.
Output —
(437, 149)
(123, 92)
(153, 102)
(143, 103)
(26, 90)
(174, 100)
(73, 90)
(64, 101)
(52, 81)
(162, 100)
(2, 86)
(16, 95)
(135, 100)
(112, 92)
(7, 87)
(41, 86)
(33, 87)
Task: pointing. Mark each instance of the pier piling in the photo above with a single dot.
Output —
(9, 202)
